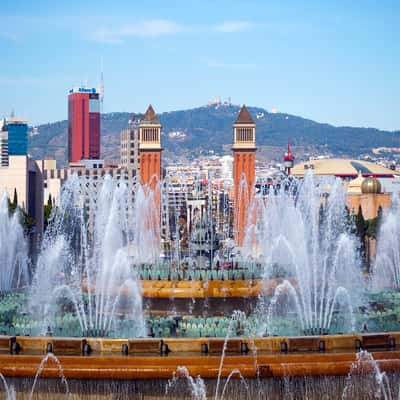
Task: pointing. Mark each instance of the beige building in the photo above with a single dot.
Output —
(341, 167)
(54, 178)
(368, 185)
(367, 194)
(129, 147)
(24, 175)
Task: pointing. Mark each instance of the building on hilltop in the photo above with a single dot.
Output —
(83, 124)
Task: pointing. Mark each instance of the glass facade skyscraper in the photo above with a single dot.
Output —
(17, 137)
(13, 139)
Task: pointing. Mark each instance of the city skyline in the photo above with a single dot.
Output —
(333, 63)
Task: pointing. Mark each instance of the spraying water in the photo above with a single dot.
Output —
(102, 229)
(366, 380)
(45, 360)
(13, 249)
(237, 316)
(196, 386)
(10, 390)
(386, 271)
(303, 233)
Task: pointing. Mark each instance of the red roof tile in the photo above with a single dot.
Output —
(150, 116)
(244, 116)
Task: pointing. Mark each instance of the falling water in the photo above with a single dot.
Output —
(233, 373)
(386, 271)
(10, 390)
(236, 316)
(13, 249)
(196, 386)
(366, 380)
(303, 234)
(101, 230)
(42, 365)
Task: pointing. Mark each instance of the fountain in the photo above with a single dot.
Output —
(120, 307)
(303, 232)
(386, 271)
(367, 380)
(196, 386)
(85, 267)
(13, 249)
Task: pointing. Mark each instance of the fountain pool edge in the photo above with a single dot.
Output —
(301, 356)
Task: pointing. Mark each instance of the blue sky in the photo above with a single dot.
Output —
(331, 61)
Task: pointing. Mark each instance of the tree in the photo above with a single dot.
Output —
(26, 220)
(15, 199)
(360, 224)
(47, 211)
(361, 229)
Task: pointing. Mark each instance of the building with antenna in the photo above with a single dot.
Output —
(83, 124)
(101, 90)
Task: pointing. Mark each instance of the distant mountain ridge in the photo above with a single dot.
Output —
(188, 133)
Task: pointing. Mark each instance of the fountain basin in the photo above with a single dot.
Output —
(206, 289)
(264, 357)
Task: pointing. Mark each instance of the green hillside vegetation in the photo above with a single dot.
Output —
(210, 128)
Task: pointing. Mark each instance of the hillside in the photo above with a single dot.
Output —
(188, 133)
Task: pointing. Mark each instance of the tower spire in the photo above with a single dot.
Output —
(101, 85)
(288, 159)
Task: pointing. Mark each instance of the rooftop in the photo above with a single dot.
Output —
(342, 167)
(244, 116)
(150, 116)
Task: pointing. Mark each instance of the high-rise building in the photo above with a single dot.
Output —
(3, 144)
(129, 147)
(17, 136)
(244, 158)
(83, 124)
(13, 139)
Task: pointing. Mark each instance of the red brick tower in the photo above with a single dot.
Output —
(150, 148)
(244, 153)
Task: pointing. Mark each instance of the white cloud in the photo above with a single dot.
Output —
(150, 28)
(8, 36)
(162, 27)
(234, 26)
